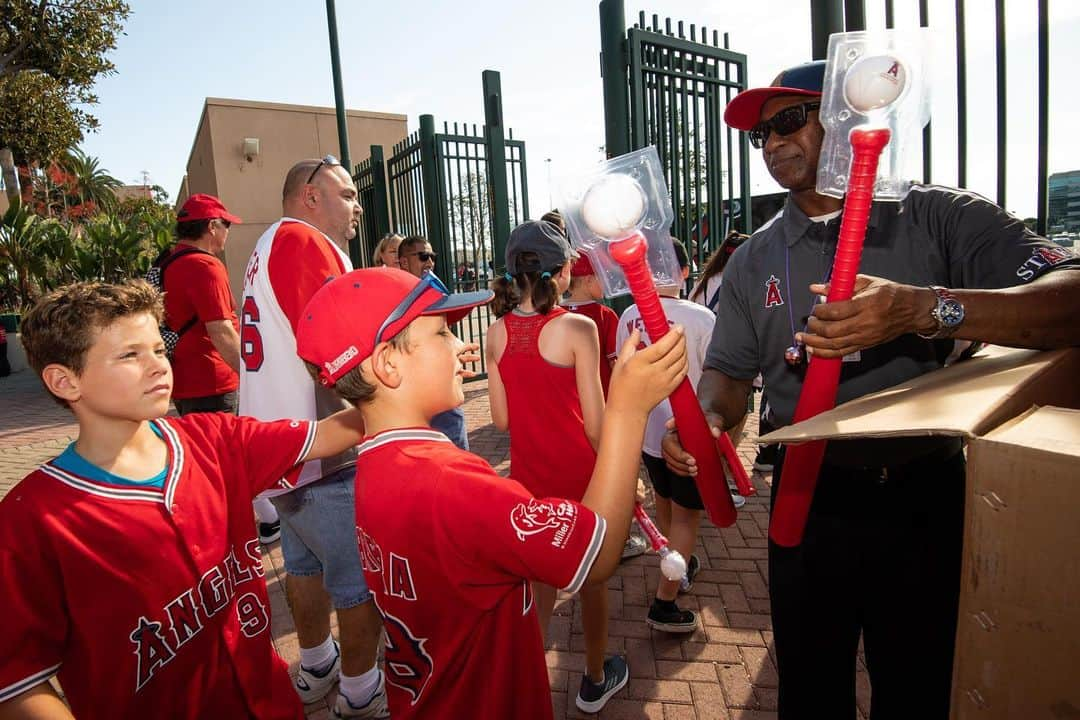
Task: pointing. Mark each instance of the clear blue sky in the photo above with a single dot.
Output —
(423, 56)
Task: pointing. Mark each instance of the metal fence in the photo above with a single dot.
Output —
(370, 179)
(462, 189)
(679, 81)
(829, 16)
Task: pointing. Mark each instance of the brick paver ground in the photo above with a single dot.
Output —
(723, 670)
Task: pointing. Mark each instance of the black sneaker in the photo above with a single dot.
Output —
(665, 616)
(766, 458)
(692, 568)
(593, 696)
(269, 532)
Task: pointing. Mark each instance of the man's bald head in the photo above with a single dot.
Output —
(297, 177)
(322, 194)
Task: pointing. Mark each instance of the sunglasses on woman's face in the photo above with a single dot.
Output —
(789, 120)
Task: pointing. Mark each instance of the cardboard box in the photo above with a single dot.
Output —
(1018, 636)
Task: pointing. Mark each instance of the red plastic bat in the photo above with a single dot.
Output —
(802, 463)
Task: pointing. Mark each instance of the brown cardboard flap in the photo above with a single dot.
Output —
(1053, 430)
(966, 399)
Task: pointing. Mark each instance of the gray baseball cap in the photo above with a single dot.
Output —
(540, 237)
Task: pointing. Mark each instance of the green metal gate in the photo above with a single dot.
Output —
(679, 85)
(463, 189)
(370, 179)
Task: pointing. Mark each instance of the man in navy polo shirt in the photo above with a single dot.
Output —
(881, 552)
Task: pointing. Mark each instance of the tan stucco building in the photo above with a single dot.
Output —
(243, 149)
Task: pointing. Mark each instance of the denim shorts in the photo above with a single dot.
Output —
(318, 536)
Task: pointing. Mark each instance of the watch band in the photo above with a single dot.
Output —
(944, 295)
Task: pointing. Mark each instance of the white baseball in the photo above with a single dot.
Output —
(613, 206)
(673, 565)
(874, 82)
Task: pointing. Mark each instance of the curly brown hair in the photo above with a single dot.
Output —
(63, 324)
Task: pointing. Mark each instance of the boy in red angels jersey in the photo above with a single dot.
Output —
(449, 548)
(129, 565)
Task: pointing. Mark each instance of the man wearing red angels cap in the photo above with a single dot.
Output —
(199, 303)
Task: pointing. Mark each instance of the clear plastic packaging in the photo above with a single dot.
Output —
(636, 201)
(875, 79)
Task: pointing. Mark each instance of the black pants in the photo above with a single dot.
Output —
(226, 402)
(881, 556)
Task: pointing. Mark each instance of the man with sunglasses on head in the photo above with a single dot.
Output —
(295, 257)
(415, 256)
(882, 548)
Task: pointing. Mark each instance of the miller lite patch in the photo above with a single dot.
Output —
(773, 298)
(544, 517)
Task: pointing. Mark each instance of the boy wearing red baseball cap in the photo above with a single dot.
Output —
(449, 548)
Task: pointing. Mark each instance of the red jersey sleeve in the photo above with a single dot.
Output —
(270, 449)
(300, 263)
(251, 451)
(609, 327)
(494, 523)
(34, 623)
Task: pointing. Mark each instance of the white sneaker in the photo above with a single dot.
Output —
(737, 500)
(312, 686)
(374, 708)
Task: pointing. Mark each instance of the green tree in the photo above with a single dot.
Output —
(51, 53)
(91, 181)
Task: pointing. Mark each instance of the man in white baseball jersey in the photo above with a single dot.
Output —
(295, 257)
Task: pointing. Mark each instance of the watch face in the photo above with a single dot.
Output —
(952, 313)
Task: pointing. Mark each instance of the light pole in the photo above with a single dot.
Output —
(547, 161)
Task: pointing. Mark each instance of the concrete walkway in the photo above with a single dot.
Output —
(723, 670)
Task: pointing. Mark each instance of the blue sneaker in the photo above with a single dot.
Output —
(593, 696)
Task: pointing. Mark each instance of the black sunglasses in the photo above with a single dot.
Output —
(424, 256)
(789, 120)
(328, 160)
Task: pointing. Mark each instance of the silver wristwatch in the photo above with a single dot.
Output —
(948, 313)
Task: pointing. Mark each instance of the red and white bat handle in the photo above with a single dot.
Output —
(672, 563)
(630, 253)
(802, 463)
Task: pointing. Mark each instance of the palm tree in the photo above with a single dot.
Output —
(92, 182)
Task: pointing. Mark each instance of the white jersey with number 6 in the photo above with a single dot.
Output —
(291, 261)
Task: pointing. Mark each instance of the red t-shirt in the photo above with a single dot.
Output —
(449, 549)
(149, 602)
(197, 285)
(607, 325)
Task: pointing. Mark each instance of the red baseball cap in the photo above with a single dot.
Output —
(201, 206)
(350, 315)
(582, 267)
(744, 110)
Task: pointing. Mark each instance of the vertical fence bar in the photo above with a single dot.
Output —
(927, 137)
(613, 69)
(495, 151)
(961, 97)
(826, 18)
(890, 15)
(1044, 114)
(1002, 115)
(854, 15)
(431, 186)
(381, 210)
